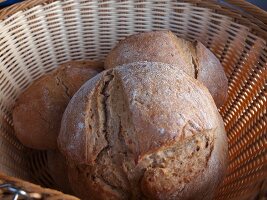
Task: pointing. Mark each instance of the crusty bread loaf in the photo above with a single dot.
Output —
(154, 46)
(57, 168)
(163, 46)
(39, 109)
(210, 72)
(143, 131)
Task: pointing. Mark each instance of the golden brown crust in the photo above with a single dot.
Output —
(38, 111)
(200, 169)
(72, 141)
(163, 46)
(156, 46)
(130, 119)
(88, 187)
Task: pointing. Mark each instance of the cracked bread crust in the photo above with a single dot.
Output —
(39, 109)
(163, 46)
(132, 128)
(211, 73)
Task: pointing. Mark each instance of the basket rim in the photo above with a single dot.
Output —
(237, 10)
(31, 187)
(241, 12)
(259, 13)
(251, 8)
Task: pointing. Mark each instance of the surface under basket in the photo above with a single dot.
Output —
(36, 36)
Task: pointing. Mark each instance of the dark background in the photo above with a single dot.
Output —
(260, 3)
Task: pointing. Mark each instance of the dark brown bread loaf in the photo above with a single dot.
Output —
(143, 131)
(57, 168)
(163, 46)
(39, 109)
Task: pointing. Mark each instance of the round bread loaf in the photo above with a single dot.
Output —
(209, 71)
(154, 46)
(143, 131)
(39, 109)
(57, 168)
(163, 46)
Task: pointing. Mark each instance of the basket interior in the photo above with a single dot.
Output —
(36, 40)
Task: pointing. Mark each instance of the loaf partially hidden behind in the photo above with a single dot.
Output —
(39, 109)
(163, 46)
(143, 131)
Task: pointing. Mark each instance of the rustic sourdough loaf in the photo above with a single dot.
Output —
(154, 46)
(163, 46)
(143, 131)
(39, 109)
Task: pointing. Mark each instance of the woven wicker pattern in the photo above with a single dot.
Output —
(39, 35)
(34, 191)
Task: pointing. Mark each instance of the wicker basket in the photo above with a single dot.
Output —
(37, 35)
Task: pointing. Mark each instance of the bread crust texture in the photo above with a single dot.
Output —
(163, 46)
(144, 130)
(38, 111)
